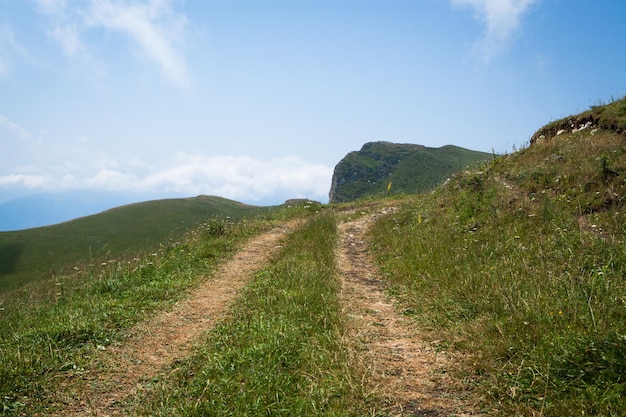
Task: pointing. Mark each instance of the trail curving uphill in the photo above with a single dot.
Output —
(404, 371)
(168, 336)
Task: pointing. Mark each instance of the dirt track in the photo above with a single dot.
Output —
(405, 372)
(168, 336)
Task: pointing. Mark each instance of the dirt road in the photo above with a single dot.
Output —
(405, 372)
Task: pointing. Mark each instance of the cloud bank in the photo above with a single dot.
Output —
(239, 178)
(36, 163)
(501, 18)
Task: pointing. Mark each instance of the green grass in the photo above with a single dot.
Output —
(280, 351)
(606, 116)
(35, 254)
(51, 328)
(522, 267)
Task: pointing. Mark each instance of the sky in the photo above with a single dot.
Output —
(258, 100)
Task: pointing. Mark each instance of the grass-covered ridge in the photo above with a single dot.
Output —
(522, 265)
(39, 253)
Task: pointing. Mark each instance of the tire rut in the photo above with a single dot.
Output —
(406, 373)
(124, 370)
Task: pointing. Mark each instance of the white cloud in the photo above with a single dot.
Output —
(68, 37)
(502, 19)
(24, 180)
(13, 127)
(10, 50)
(152, 25)
(41, 163)
(239, 178)
(111, 179)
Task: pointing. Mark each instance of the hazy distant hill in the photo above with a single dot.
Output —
(410, 168)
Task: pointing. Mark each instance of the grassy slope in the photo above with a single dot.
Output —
(51, 329)
(522, 266)
(611, 117)
(423, 171)
(37, 253)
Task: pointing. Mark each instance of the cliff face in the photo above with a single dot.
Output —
(358, 172)
(410, 168)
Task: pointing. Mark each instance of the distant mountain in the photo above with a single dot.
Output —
(409, 168)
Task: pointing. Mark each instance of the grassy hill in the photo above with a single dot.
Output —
(521, 266)
(410, 168)
(32, 254)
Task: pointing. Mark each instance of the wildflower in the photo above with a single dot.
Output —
(389, 186)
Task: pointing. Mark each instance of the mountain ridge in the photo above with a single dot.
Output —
(383, 166)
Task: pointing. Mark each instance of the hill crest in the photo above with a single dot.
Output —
(37, 253)
(609, 117)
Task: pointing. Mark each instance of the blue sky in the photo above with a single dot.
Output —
(258, 100)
